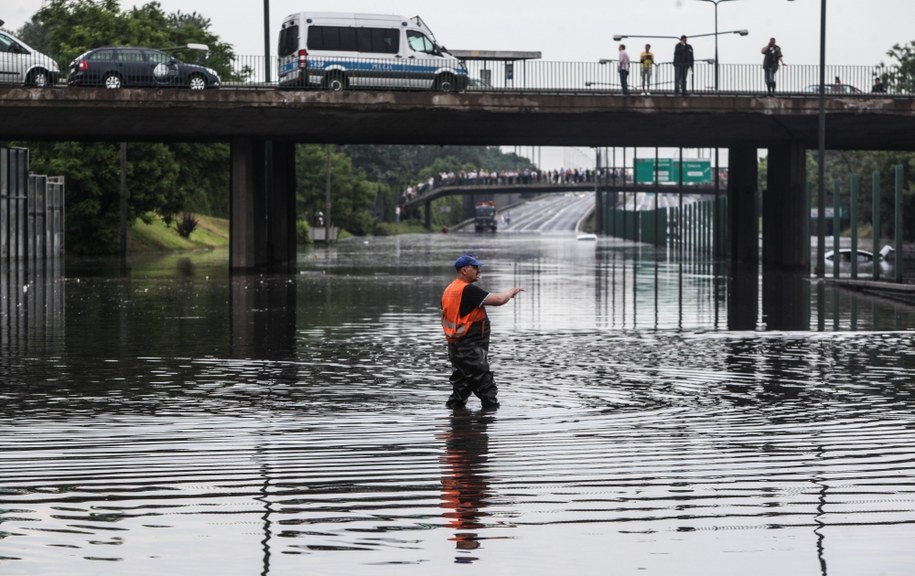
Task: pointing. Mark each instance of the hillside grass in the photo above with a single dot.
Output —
(210, 233)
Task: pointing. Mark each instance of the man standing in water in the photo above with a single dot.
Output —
(466, 327)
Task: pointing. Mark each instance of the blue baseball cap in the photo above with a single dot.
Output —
(466, 260)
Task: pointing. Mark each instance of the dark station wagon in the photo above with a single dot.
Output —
(118, 67)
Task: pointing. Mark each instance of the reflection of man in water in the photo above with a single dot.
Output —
(464, 482)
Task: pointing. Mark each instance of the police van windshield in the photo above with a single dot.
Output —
(419, 42)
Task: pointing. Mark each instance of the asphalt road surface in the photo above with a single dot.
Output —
(548, 213)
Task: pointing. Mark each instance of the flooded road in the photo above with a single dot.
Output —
(184, 421)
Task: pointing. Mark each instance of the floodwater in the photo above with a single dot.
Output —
(182, 421)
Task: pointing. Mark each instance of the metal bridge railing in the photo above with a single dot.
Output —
(602, 77)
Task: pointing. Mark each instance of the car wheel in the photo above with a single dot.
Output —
(336, 82)
(39, 78)
(112, 80)
(445, 83)
(197, 82)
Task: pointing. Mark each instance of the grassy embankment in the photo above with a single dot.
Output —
(210, 233)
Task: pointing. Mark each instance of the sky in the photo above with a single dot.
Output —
(857, 32)
(582, 30)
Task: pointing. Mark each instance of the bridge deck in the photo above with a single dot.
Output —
(366, 117)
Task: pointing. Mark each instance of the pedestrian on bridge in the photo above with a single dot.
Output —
(772, 58)
(646, 59)
(466, 328)
(624, 69)
(683, 63)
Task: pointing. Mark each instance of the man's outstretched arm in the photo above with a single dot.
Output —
(500, 298)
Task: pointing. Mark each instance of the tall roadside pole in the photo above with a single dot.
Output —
(267, 41)
(716, 2)
(327, 205)
(821, 151)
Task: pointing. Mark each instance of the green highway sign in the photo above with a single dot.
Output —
(697, 171)
(645, 170)
(668, 170)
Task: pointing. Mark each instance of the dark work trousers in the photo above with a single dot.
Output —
(624, 81)
(680, 72)
(470, 360)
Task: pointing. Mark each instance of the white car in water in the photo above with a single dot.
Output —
(863, 256)
(22, 64)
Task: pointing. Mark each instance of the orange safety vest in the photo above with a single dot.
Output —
(455, 325)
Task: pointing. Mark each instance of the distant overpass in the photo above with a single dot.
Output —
(552, 188)
(603, 184)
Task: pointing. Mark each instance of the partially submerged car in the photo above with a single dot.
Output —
(862, 256)
(123, 67)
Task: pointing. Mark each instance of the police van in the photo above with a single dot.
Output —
(339, 51)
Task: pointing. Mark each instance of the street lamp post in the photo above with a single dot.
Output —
(820, 267)
(267, 41)
(716, 2)
(716, 33)
(618, 37)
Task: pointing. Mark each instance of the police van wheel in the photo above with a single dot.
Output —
(336, 82)
(445, 83)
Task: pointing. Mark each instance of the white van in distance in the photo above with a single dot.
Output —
(22, 64)
(337, 51)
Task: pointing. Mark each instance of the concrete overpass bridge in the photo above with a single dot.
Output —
(603, 184)
(263, 127)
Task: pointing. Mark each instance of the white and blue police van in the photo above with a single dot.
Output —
(339, 51)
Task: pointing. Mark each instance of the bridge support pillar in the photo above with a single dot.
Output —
(785, 212)
(281, 236)
(743, 231)
(786, 240)
(428, 210)
(743, 239)
(262, 219)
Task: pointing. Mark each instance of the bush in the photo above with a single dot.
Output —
(186, 225)
(302, 232)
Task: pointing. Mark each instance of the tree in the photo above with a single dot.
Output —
(353, 196)
(900, 77)
(166, 179)
(840, 166)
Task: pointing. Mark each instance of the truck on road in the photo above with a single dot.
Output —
(485, 216)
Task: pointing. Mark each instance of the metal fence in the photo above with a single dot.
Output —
(602, 77)
(31, 210)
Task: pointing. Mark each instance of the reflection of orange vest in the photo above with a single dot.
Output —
(455, 325)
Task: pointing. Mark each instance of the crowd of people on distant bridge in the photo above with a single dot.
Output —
(523, 177)
(504, 177)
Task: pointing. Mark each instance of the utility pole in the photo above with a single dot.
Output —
(123, 227)
(327, 204)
